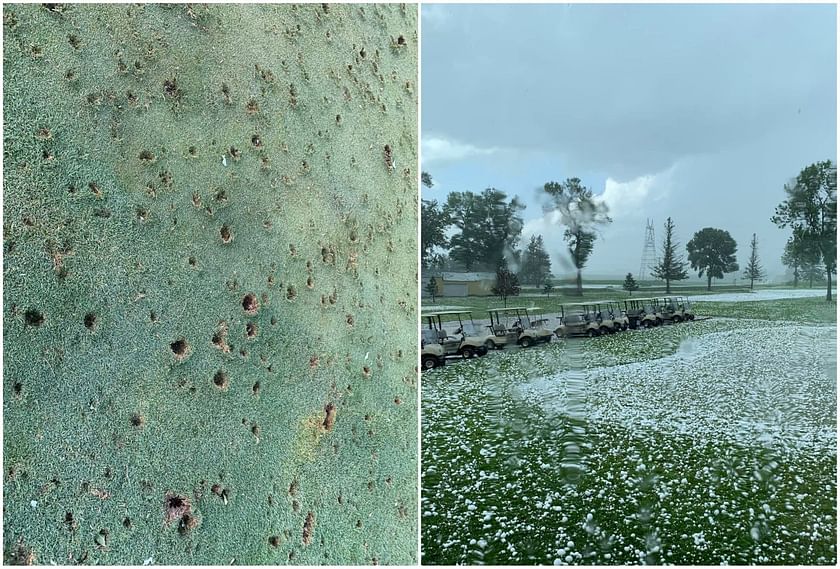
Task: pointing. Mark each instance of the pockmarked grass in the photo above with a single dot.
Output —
(210, 299)
(697, 443)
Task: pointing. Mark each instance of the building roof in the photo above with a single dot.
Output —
(468, 277)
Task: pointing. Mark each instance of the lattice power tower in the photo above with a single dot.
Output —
(649, 258)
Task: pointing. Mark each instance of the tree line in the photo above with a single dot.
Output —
(485, 230)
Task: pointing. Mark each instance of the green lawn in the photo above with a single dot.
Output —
(701, 443)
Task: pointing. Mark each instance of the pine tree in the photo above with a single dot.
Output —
(431, 288)
(672, 266)
(536, 262)
(507, 284)
(630, 284)
(753, 270)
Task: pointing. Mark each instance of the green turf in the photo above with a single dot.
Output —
(502, 485)
(161, 163)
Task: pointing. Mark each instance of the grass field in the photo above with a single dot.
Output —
(700, 443)
(209, 296)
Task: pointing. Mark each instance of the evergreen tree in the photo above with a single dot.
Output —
(536, 263)
(754, 270)
(672, 266)
(431, 288)
(630, 284)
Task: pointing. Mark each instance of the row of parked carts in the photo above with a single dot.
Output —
(526, 327)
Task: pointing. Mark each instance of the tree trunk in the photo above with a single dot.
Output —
(828, 280)
(579, 283)
(751, 283)
(795, 276)
(667, 286)
(811, 280)
(709, 282)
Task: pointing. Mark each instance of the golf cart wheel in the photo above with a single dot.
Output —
(526, 342)
(691, 317)
(659, 322)
(482, 351)
(677, 319)
(646, 324)
(592, 332)
(429, 362)
(490, 345)
(468, 353)
(603, 331)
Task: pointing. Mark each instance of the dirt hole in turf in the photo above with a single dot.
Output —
(188, 523)
(256, 388)
(251, 330)
(175, 507)
(90, 321)
(221, 380)
(250, 304)
(180, 348)
(310, 282)
(291, 294)
(255, 430)
(256, 141)
(401, 40)
(366, 371)
(308, 528)
(226, 234)
(127, 523)
(274, 541)
(137, 420)
(329, 416)
(192, 261)
(33, 318)
(18, 387)
(146, 156)
(193, 151)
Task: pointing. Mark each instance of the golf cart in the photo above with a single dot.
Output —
(431, 353)
(618, 316)
(671, 310)
(685, 304)
(516, 326)
(642, 313)
(576, 320)
(606, 324)
(459, 343)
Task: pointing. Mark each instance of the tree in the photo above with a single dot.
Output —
(754, 270)
(813, 272)
(507, 284)
(536, 263)
(431, 288)
(712, 251)
(575, 208)
(548, 288)
(426, 179)
(630, 284)
(801, 256)
(672, 266)
(489, 228)
(811, 210)
(433, 223)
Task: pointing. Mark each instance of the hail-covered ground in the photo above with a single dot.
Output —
(698, 443)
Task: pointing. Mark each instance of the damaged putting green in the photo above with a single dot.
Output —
(200, 203)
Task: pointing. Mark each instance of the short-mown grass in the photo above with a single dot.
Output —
(702, 443)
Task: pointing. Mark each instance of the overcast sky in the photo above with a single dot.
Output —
(700, 112)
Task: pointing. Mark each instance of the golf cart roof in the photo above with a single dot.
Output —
(511, 309)
(446, 313)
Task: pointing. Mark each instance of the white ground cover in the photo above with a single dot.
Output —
(773, 294)
(755, 387)
(704, 443)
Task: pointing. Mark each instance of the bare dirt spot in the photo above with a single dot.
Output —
(181, 349)
(251, 330)
(33, 318)
(329, 417)
(90, 320)
(221, 380)
(308, 528)
(250, 304)
(291, 294)
(188, 523)
(226, 234)
(137, 420)
(274, 541)
(219, 338)
(175, 507)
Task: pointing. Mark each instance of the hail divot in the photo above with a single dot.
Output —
(175, 507)
(329, 417)
(274, 541)
(350, 320)
(256, 430)
(308, 528)
(252, 107)
(256, 141)
(146, 156)
(18, 388)
(33, 318)
(180, 348)
(226, 234)
(293, 487)
(251, 330)
(310, 283)
(366, 371)
(221, 380)
(192, 261)
(137, 420)
(291, 294)
(256, 388)
(250, 304)
(127, 523)
(219, 338)
(90, 321)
